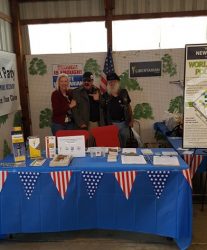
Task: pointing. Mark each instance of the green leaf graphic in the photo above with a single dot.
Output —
(37, 67)
(176, 105)
(143, 111)
(168, 66)
(128, 83)
(6, 149)
(3, 119)
(91, 65)
(45, 118)
(17, 122)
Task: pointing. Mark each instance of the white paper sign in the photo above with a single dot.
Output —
(71, 145)
(9, 89)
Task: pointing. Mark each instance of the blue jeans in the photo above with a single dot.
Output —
(67, 126)
(123, 132)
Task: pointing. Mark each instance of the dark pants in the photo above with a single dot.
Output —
(67, 126)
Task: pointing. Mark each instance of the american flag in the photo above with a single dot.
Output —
(29, 180)
(3, 176)
(108, 68)
(187, 176)
(92, 180)
(194, 162)
(158, 179)
(126, 180)
(61, 180)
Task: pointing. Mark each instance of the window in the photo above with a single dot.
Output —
(68, 38)
(162, 33)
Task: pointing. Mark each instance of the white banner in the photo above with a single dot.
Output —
(9, 88)
(195, 103)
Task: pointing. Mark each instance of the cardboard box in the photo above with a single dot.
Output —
(34, 146)
(18, 145)
(50, 146)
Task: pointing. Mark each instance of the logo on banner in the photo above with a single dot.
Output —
(74, 72)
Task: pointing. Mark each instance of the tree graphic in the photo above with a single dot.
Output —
(168, 66)
(91, 65)
(37, 67)
(128, 83)
(45, 118)
(176, 105)
(3, 119)
(143, 111)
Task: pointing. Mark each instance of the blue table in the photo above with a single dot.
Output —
(177, 144)
(45, 211)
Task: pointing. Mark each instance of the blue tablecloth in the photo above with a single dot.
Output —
(177, 144)
(45, 211)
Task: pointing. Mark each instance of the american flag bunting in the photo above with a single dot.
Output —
(61, 180)
(92, 180)
(158, 179)
(194, 162)
(3, 177)
(28, 180)
(126, 180)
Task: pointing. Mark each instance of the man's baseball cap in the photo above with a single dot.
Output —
(88, 76)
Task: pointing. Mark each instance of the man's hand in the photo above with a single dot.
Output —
(72, 104)
(95, 96)
(83, 126)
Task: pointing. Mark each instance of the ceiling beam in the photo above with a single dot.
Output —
(62, 20)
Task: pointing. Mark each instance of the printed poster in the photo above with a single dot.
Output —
(74, 72)
(9, 89)
(195, 97)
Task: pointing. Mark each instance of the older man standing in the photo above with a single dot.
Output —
(87, 113)
(116, 102)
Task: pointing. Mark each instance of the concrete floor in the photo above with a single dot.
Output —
(107, 240)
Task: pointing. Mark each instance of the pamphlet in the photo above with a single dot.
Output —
(38, 162)
(169, 153)
(61, 160)
(129, 150)
(166, 160)
(137, 159)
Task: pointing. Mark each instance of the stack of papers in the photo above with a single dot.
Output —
(137, 159)
(112, 158)
(129, 151)
(166, 160)
(61, 160)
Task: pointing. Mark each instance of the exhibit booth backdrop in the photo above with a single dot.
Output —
(153, 97)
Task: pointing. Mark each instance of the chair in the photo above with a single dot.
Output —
(61, 133)
(106, 136)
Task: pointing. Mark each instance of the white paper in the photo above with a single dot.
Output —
(129, 150)
(169, 153)
(72, 145)
(166, 160)
(137, 159)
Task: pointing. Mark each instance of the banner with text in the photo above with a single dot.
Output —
(195, 99)
(74, 72)
(9, 89)
(145, 69)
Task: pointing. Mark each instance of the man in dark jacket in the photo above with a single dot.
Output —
(117, 109)
(87, 113)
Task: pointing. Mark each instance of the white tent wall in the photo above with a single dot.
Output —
(6, 121)
(156, 91)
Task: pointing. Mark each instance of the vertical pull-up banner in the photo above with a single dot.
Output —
(9, 89)
(195, 97)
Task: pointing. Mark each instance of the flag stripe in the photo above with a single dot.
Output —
(3, 177)
(61, 180)
(126, 180)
